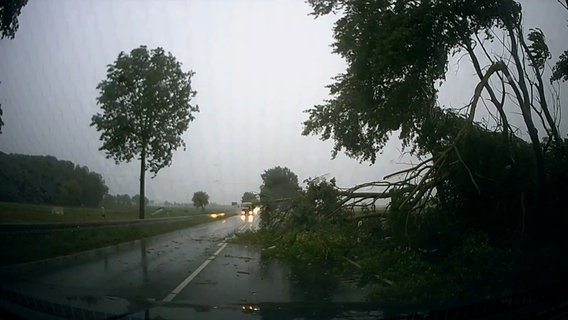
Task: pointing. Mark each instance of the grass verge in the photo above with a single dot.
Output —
(11, 212)
(409, 279)
(31, 246)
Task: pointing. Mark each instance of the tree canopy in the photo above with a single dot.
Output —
(397, 55)
(9, 12)
(45, 179)
(136, 200)
(200, 199)
(119, 200)
(278, 183)
(560, 70)
(278, 192)
(145, 102)
(397, 52)
(249, 197)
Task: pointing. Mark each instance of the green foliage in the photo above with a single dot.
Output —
(136, 200)
(70, 192)
(9, 12)
(45, 179)
(319, 202)
(25, 247)
(560, 70)
(462, 242)
(146, 108)
(250, 197)
(322, 244)
(557, 175)
(278, 190)
(389, 86)
(278, 183)
(485, 182)
(538, 50)
(397, 54)
(492, 182)
(200, 199)
(119, 200)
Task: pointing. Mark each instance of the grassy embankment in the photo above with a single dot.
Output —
(423, 278)
(29, 246)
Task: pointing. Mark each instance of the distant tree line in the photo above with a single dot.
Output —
(122, 200)
(45, 179)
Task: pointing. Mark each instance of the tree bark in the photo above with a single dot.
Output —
(142, 181)
(524, 102)
(540, 88)
(498, 105)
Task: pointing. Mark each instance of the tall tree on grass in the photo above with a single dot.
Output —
(146, 108)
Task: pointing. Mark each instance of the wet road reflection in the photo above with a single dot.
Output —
(139, 271)
(134, 277)
(238, 276)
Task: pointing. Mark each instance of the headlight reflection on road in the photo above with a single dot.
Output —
(250, 309)
(218, 214)
(247, 218)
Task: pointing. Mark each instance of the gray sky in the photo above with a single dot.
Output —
(258, 65)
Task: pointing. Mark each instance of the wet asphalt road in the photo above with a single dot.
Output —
(171, 276)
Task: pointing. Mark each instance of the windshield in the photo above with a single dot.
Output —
(321, 159)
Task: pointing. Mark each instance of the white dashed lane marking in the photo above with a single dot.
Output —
(194, 274)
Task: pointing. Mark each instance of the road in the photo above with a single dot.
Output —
(176, 275)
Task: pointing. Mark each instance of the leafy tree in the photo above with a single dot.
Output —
(318, 203)
(94, 183)
(109, 201)
(136, 200)
(123, 200)
(278, 191)
(560, 70)
(200, 199)
(397, 54)
(146, 108)
(70, 193)
(9, 12)
(44, 179)
(249, 197)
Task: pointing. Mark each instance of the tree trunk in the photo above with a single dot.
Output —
(540, 89)
(524, 103)
(493, 97)
(142, 183)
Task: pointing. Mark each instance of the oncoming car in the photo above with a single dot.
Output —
(247, 208)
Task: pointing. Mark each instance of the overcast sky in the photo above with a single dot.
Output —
(258, 65)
